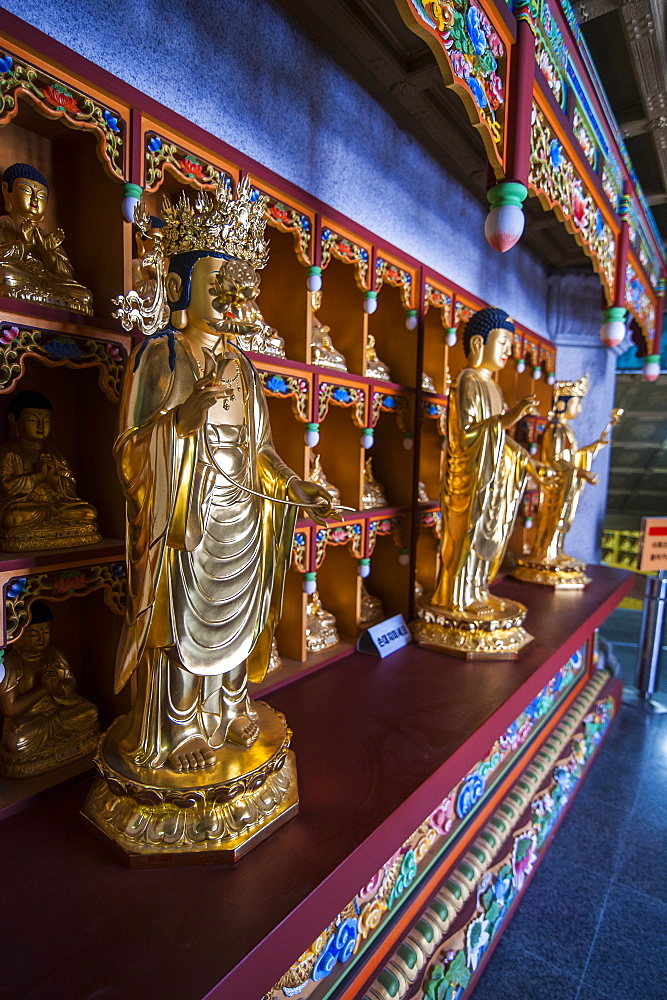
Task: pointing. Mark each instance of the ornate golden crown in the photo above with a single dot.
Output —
(219, 221)
(576, 388)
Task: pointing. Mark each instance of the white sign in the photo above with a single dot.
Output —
(653, 546)
(385, 638)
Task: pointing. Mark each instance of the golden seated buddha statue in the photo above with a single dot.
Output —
(274, 658)
(422, 494)
(39, 508)
(373, 495)
(317, 476)
(372, 610)
(323, 352)
(321, 631)
(33, 265)
(46, 724)
(374, 367)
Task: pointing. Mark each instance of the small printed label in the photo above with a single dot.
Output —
(385, 638)
(653, 549)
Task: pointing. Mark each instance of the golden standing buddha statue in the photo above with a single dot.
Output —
(211, 511)
(547, 563)
(483, 481)
(39, 508)
(33, 265)
(46, 724)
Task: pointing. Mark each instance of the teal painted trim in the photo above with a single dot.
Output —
(132, 191)
(614, 313)
(507, 193)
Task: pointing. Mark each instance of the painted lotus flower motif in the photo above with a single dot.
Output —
(9, 334)
(477, 92)
(579, 205)
(460, 65)
(6, 63)
(114, 353)
(192, 168)
(496, 94)
(523, 858)
(555, 154)
(371, 888)
(279, 212)
(341, 395)
(475, 30)
(154, 143)
(477, 938)
(60, 97)
(495, 44)
(112, 121)
(277, 384)
(441, 819)
(64, 347)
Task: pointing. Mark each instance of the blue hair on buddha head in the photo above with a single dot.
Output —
(29, 399)
(483, 322)
(182, 265)
(23, 171)
(156, 222)
(40, 612)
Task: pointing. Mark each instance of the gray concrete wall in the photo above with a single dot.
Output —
(249, 75)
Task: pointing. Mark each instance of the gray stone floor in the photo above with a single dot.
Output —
(593, 922)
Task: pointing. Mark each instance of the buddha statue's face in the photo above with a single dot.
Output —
(573, 408)
(27, 199)
(497, 350)
(32, 425)
(35, 639)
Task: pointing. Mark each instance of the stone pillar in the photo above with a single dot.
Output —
(574, 316)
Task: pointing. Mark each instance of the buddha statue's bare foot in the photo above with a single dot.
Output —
(192, 755)
(242, 731)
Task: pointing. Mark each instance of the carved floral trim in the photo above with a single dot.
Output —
(555, 181)
(387, 402)
(342, 395)
(334, 245)
(471, 56)
(161, 153)
(55, 350)
(396, 276)
(439, 300)
(57, 100)
(377, 900)
(59, 585)
(284, 386)
(339, 534)
(394, 526)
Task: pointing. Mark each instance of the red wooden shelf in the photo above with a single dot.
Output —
(378, 745)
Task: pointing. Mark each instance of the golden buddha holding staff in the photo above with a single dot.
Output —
(211, 510)
(547, 563)
(483, 481)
